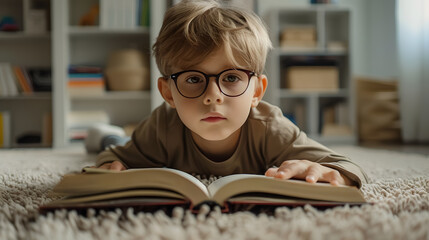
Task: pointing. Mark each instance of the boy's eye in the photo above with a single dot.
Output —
(231, 78)
(194, 79)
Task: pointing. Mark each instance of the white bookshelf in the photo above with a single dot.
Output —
(92, 45)
(67, 43)
(332, 23)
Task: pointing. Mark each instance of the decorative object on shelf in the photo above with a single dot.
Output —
(41, 79)
(8, 24)
(36, 17)
(31, 137)
(127, 70)
(91, 17)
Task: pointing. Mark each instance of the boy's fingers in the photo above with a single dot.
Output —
(105, 166)
(290, 170)
(313, 175)
(116, 165)
(334, 178)
(271, 172)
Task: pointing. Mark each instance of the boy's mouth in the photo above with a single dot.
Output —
(213, 117)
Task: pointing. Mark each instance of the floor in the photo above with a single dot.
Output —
(421, 148)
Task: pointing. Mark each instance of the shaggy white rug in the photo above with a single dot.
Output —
(399, 187)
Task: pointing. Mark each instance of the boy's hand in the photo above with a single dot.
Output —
(309, 171)
(116, 165)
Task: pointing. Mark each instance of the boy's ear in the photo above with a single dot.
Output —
(165, 90)
(260, 88)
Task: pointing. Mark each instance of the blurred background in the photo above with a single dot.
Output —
(345, 71)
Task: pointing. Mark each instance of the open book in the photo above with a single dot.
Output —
(170, 186)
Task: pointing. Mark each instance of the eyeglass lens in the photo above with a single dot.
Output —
(231, 83)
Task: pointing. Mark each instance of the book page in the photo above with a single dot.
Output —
(96, 181)
(118, 195)
(226, 187)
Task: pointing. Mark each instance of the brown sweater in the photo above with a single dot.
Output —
(267, 139)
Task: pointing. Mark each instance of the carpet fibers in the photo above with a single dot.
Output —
(399, 188)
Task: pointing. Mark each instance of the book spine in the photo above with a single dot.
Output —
(27, 79)
(3, 86)
(138, 12)
(11, 87)
(85, 75)
(25, 88)
(4, 129)
(145, 13)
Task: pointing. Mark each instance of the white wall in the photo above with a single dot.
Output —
(382, 44)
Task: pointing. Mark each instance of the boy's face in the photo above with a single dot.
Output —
(213, 116)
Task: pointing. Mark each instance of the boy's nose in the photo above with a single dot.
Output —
(213, 93)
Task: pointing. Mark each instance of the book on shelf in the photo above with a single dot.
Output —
(85, 69)
(8, 81)
(126, 14)
(5, 133)
(86, 81)
(99, 188)
(23, 79)
(16, 80)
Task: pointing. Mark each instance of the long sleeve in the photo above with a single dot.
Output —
(285, 141)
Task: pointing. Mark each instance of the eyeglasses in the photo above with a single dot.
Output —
(231, 82)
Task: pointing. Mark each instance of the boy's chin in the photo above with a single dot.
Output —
(214, 138)
(217, 136)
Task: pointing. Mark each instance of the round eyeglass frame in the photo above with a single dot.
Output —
(249, 74)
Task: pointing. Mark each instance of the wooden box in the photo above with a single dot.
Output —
(312, 78)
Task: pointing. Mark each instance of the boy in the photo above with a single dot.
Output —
(214, 122)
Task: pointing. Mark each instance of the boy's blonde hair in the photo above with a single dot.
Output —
(193, 29)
